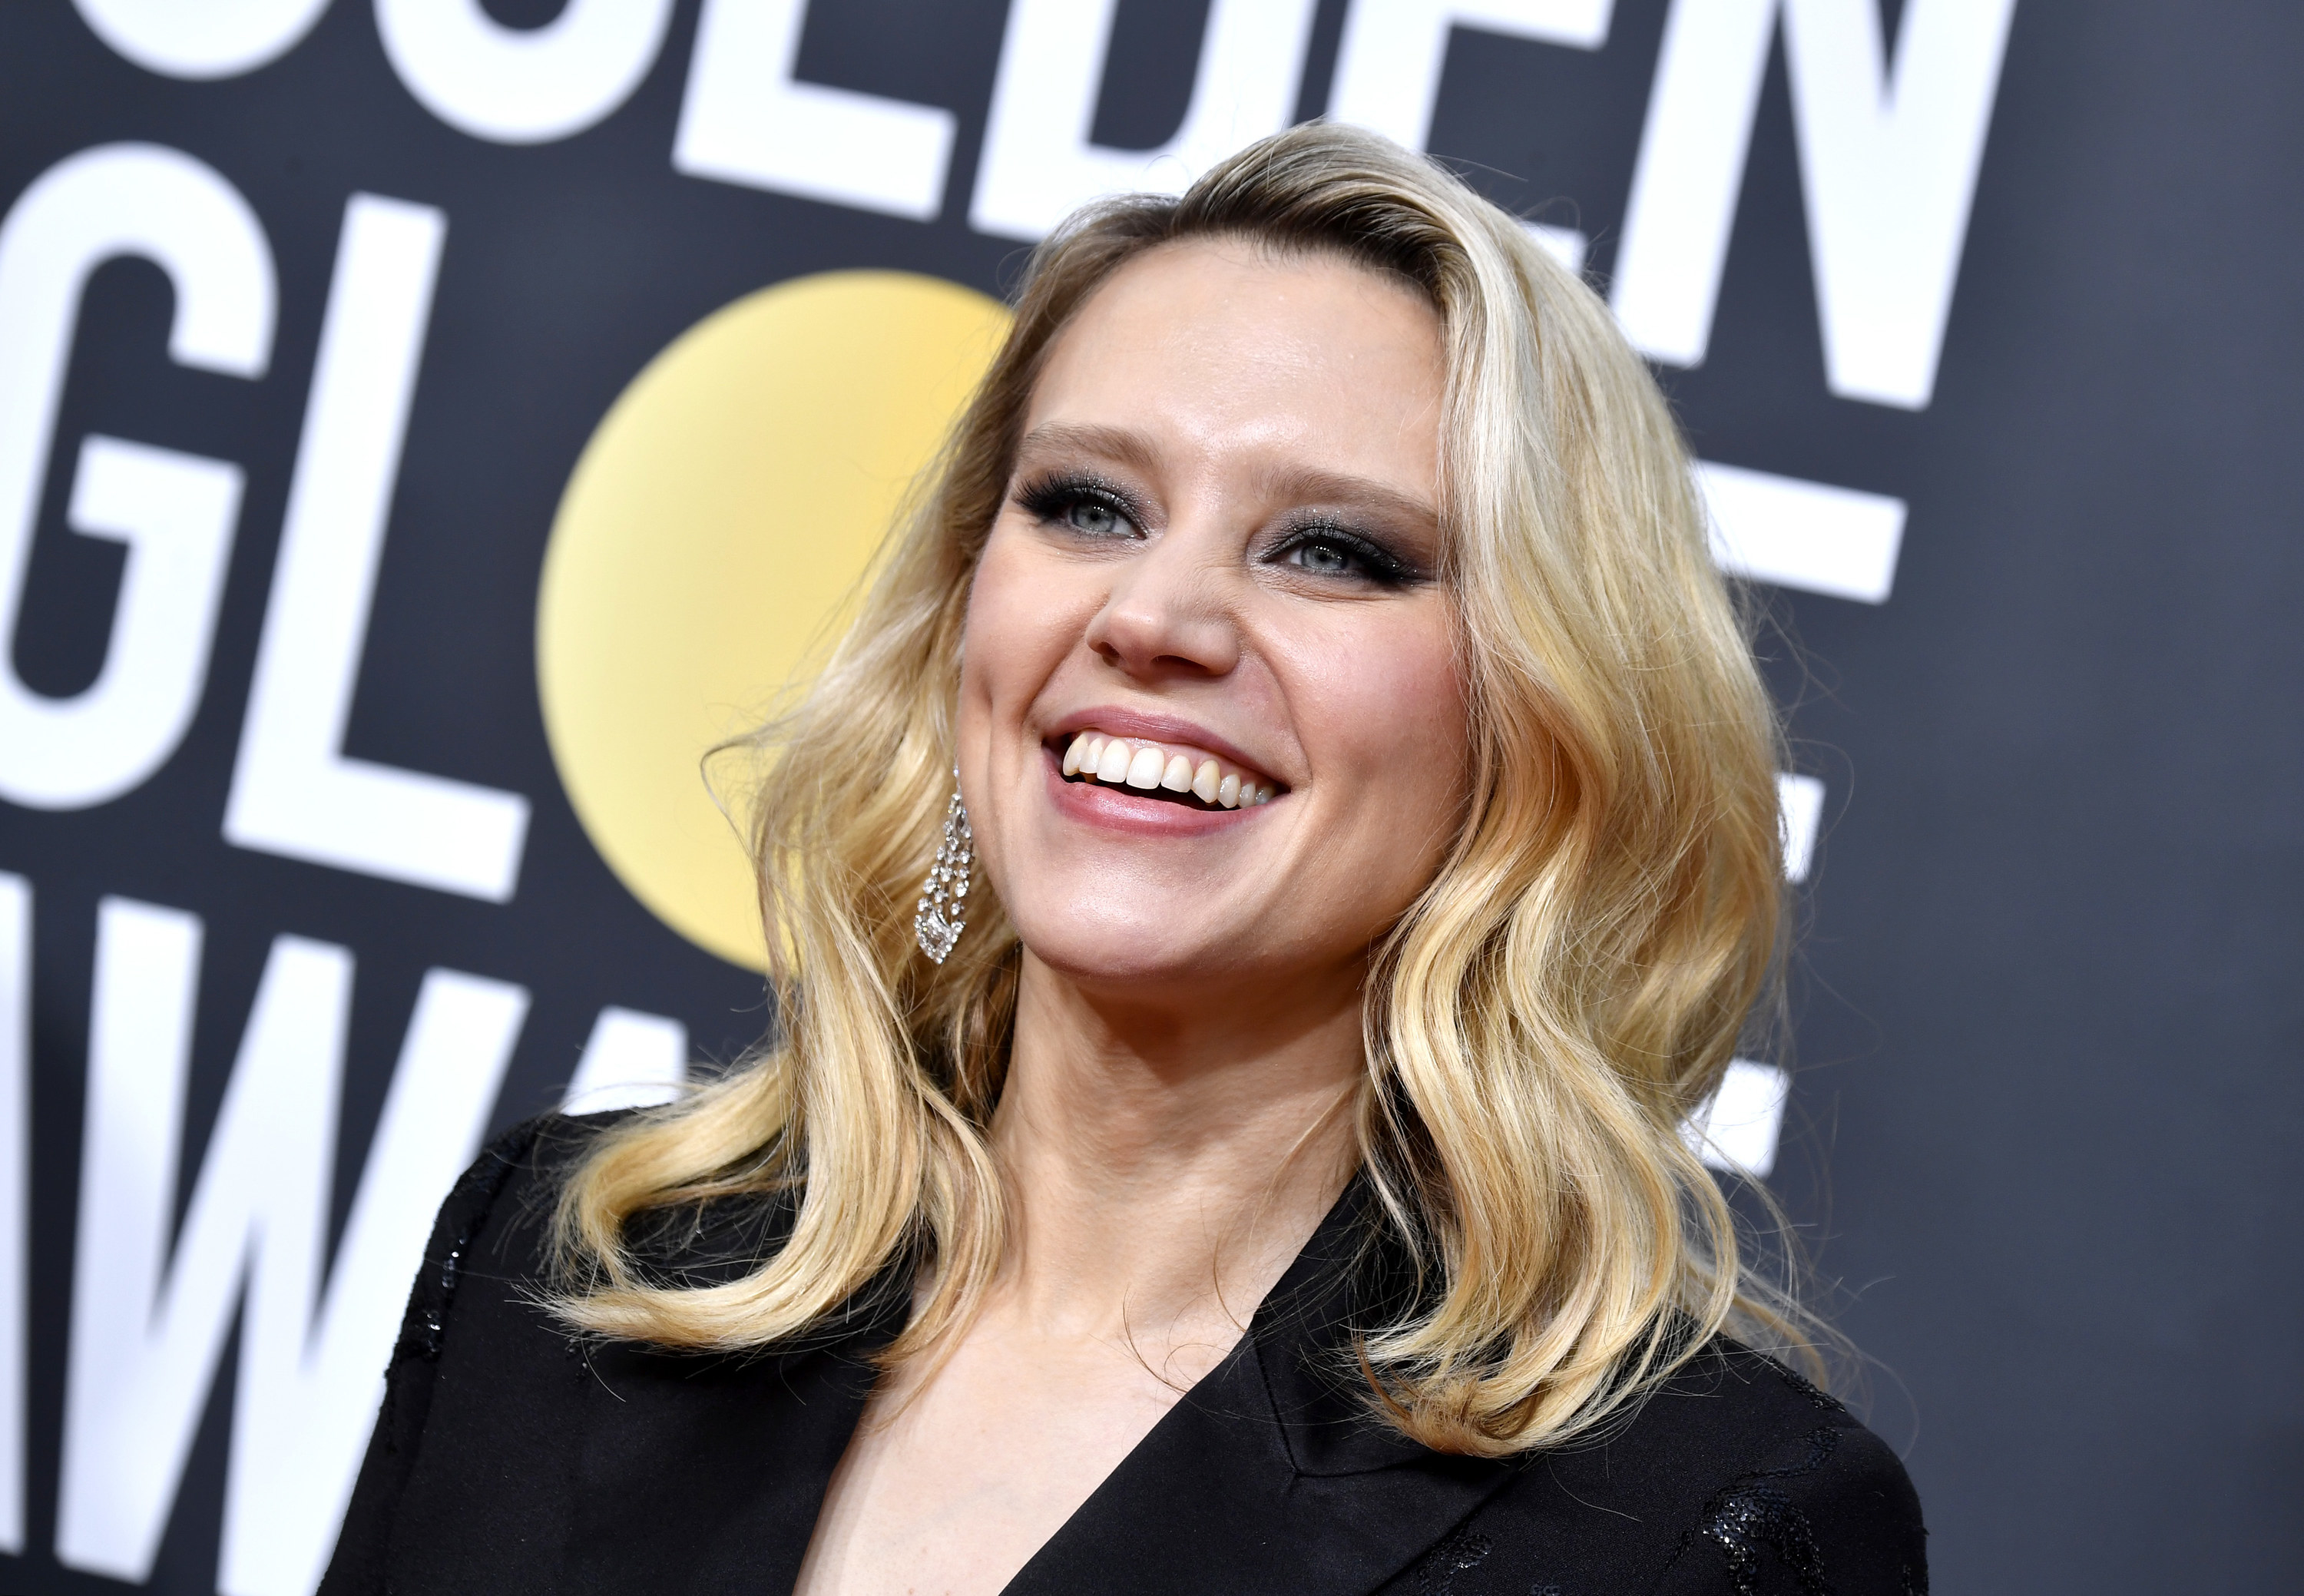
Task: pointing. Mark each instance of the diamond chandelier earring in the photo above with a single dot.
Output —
(942, 913)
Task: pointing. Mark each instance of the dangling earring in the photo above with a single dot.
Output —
(943, 912)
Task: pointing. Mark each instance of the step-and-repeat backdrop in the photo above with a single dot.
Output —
(426, 426)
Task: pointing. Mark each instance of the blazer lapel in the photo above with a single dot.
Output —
(1269, 1475)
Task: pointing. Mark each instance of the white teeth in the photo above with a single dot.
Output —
(1115, 760)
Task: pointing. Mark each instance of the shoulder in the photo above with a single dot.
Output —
(1736, 1476)
(1799, 1495)
(498, 1222)
(499, 1421)
(473, 1296)
(496, 1216)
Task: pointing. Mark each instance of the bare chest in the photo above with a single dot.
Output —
(948, 1490)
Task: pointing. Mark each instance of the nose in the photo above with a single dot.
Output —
(1166, 613)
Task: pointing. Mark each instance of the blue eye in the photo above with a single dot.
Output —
(1086, 516)
(1335, 554)
(1328, 559)
(1082, 507)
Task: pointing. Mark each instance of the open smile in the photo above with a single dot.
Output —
(1176, 773)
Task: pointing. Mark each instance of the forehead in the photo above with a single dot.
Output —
(1213, 335)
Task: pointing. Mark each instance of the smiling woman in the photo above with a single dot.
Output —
(1258, 1139)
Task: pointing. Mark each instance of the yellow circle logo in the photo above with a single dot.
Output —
(710, 542)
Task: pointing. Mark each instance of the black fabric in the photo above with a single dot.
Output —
(512, 1457)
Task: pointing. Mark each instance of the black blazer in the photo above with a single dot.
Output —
(510, 1457)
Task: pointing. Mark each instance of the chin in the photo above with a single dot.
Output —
(1115, 952)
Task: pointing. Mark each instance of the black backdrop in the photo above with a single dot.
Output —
(2043, 1128)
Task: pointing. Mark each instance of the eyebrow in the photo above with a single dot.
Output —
(1115, 443)
(1319, 487)
(1304, 486)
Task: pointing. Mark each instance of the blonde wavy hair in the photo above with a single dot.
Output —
(1538, 1024)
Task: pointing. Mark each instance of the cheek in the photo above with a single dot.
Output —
(1014, 634)
(1392, 710)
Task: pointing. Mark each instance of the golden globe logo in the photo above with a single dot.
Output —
(711, 542)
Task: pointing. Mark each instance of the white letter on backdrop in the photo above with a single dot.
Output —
(1798, 534)
(1738, 1126)
(631, 1060)
(293, 792)
(147, 1331)
(174, 511)
(747, 120)
(200, 38)
(522, 85)
(15, 1192)
(1037, 165)
(1388, 61)
(1888, 164)
(1799, 811)
(309, 1390)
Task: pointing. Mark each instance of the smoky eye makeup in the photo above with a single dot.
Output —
(1322, 546)
(1328, 549)
(1079, 504)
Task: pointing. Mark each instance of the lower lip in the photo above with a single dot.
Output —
(1122, 809)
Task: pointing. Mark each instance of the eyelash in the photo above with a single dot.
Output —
(1379, 567)
(1049, 499)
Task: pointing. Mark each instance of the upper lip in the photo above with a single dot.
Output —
(1142, 726)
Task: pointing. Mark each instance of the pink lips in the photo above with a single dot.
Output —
(1131, 812)
(1127, 811)
(1136, 726)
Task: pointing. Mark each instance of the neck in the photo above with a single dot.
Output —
(1167, 1161)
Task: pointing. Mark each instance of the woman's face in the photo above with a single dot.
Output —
(1214, 577)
